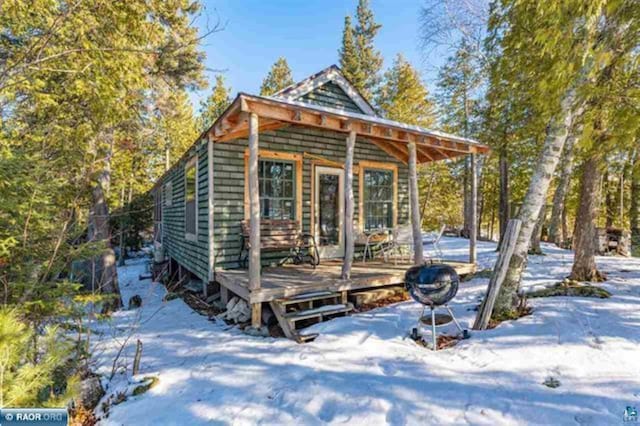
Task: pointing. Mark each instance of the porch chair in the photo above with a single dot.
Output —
(401, 243)
(373, 242)
(433, 239)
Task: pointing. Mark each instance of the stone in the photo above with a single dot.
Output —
(219, 304)
(170, 296)
(238, 311)
(135, 302)
(148, 383)
(551, 382)
(257, 332)
(91, 392)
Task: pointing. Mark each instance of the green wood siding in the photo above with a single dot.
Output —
(229, 180)
(193, 255)
(330, 95)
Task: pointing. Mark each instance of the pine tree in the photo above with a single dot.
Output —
(551, 88)
(348, 54)
(403, 97)
(215, 104)
(634, 208)
(82, 106)
(458, 81)
(360, 61)
(277, 79)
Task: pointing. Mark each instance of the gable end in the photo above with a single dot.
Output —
(330, 95)
(328, 88)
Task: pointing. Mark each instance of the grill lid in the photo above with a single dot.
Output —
(432, 284)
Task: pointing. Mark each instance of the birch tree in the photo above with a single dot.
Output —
(556, 225)
(554, 52)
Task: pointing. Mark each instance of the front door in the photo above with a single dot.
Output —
(329, 211)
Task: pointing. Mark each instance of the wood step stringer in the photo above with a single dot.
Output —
(288, 328)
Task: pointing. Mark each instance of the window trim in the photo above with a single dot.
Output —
(264, 154)
(193, 162)
(375, 165)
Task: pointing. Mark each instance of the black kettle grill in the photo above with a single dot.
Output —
(433, 285)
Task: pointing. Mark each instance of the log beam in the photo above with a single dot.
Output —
(276, 111)
(254, 211)
(349, 207)
(416, 222)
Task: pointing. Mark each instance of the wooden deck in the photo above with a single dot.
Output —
(291, 280)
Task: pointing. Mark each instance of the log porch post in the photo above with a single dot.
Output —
(210, 214)
(254, 219)
(348, 211)
(473, 226)
(416, 222)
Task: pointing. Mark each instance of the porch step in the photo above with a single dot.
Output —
(308, 297)
(319, 312)
(317, 305)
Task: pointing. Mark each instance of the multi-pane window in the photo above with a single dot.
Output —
(277, 189)
(190, 198)
(378, 199)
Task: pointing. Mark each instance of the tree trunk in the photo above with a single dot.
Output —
(105, 273)
(634, 208)
(565, 225)
(536, 236)
(493, 221)
(466, 199)
(121, 230)
(608, 200)
(504, 213)
(585, 237)
(480, 195)
(556, 223)
(556, 135)
(621, 196)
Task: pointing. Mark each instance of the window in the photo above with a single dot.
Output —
(191, 199)
(378, 194)
(277, 189)
(168, 194)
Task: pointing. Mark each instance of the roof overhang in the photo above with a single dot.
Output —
(391, 136)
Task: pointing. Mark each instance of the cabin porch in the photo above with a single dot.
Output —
(291, 280)
(249, 116)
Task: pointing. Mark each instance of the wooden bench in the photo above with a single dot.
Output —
(281, 235)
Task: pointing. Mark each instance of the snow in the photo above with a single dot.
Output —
(363, 369)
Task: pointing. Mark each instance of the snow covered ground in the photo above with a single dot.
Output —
(364, 370)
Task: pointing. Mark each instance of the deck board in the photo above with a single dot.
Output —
(291, 280)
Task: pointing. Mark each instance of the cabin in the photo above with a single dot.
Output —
(273, 203)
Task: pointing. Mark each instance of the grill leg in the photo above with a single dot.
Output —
(454, 319)
(434, 338)
(420, 319)
(465, 333)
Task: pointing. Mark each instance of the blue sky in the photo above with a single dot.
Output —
(307, 32)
